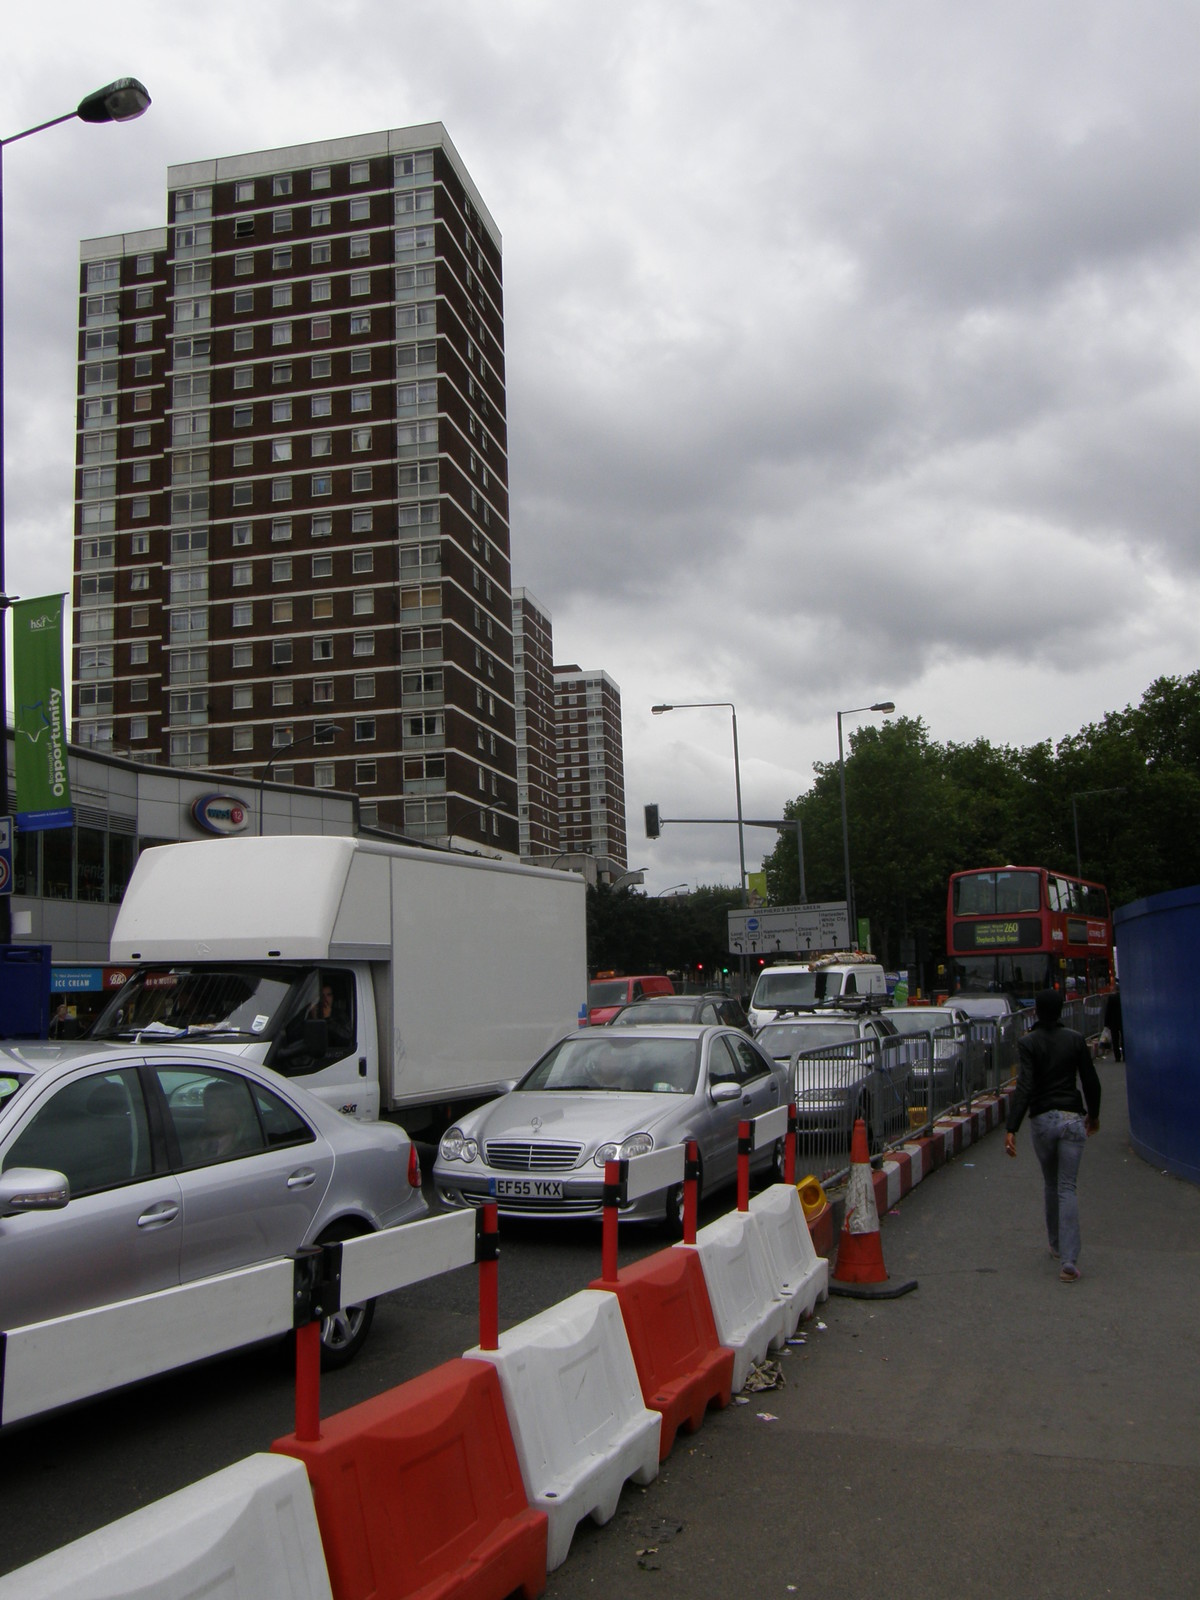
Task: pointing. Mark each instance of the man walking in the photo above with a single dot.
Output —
(1054, 1060)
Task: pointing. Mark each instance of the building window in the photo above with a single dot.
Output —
(360, 361)
(243, 338)
(243, 494)
(143, 265)
(243, 738)
(322, 607)
(243, 301)
(364, 772)
(364, 730)
(243, 377)
(281, 183)
(281, 449)
(281, 372)
(364, 686)
(240, 533)
(323, 775)
(364, 602)
(364, 644)
(139, 653)
(281, 410)
(281, 610)
(320, 289)
(281, 222)
(282, 694)
(360, 210)
(360, 439)
(143, 332)
(321, 366)
(319, 252)
(360, 480)
(141, 438)
(360, 283)
(281, 488)
(362, 520)
(244, 191)
(322, 691)
(322, 649)
(360, 399)
(320, 328)
(281, 259)
(281, 294)
(364, 561)
(360, 245)
(243, 655)
(243, 227)
(281, 569)
(241, 574)
(281, 333)
(322, 484)
(139, 507)
(243, 416)
(322, 444)
(281, 653)
(243, 265)
(139, 728)
(243, 699)
(322, 566)
(360, 172)
(320, 215)
(360, 322)
(322, 525)
(322, 405)
(243, 614)
(281, 530)
(243, 455)
(319, 178)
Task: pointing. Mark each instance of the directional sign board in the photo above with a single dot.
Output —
(790, 930)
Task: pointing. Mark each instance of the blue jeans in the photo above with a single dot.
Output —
(1058, 1141)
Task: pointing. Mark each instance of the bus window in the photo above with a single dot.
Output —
(1017, 891)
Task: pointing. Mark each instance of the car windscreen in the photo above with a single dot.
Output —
(783, 1039)
(609, 992)
(614, 1061)
(238, 1003)
(656, 1011)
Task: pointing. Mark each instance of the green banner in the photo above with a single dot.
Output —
(43, 783)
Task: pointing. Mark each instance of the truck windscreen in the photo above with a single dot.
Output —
(238, 1003)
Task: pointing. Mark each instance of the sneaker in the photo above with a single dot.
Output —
(1069, 1274)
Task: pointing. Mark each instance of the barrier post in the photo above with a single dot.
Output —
(310, 1280)
(612, 1196)
(691, 1183)
(789, 1149)
(487, 1254)
(745, 1145)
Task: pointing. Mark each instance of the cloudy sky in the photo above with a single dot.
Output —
(852, 349)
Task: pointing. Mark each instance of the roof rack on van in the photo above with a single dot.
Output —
(841, 958)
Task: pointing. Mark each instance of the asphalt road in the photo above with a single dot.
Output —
(996, 1433)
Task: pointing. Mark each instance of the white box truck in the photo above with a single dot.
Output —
(389, 980)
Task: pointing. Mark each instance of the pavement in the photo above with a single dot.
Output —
(996, 1433)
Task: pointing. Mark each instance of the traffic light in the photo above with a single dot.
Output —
(652, 827)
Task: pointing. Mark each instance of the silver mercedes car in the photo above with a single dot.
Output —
(606, 1093)
(127, 1169)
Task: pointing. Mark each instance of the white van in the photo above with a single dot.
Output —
(825, 980)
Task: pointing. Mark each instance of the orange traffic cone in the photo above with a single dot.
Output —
(860, 1271)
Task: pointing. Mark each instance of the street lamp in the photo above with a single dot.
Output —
(318, 733)
(116, 102)
(671, 889)
(705, 705)
(1084, 794)
(634, 875)
(880, 705)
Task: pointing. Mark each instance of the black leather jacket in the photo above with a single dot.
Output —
(1053, 1060)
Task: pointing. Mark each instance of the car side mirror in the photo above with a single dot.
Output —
(722, 1093)
(32, 1189)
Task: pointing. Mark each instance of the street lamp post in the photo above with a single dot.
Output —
(880, 705)
(318, 732)
(1084, 794)
(121, 101)
(706, 705)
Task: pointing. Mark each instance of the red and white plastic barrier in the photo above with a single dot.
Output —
(576, 1412)
(247, 1530)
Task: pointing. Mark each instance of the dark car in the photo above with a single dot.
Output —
(668, 1008)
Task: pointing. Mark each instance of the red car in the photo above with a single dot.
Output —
(607, 995)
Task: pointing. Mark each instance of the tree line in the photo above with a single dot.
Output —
(1125, 791)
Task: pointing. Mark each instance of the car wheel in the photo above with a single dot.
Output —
(674, 1207)
(345, 1332)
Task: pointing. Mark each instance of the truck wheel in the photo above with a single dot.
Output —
(345, 1332)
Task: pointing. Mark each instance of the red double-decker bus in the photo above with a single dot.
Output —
(1016, 930)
